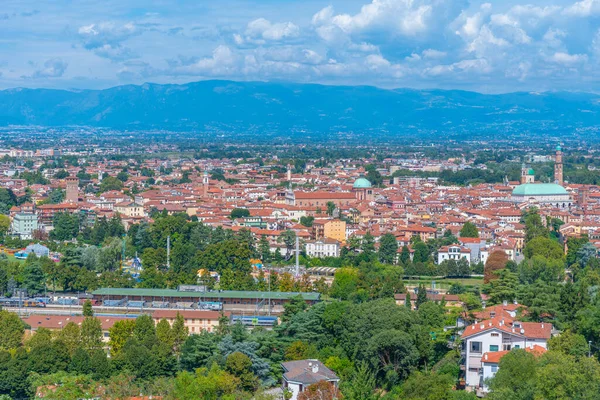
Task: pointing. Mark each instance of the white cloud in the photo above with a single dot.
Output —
(404, 17)
(568, 59)
(261, 31)
(432, 53)
(53, 68)
(584, 8)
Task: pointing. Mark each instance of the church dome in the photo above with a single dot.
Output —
(530, 171)
(539, 189)
(361, 183)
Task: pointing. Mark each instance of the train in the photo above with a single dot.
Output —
(16, 302)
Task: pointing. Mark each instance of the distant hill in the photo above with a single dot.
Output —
(256, 106)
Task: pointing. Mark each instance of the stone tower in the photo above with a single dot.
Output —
(205, 183)
(558, 166)
(72, 189)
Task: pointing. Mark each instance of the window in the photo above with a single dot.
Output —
(517, 346)
(493, 347)
(506, 347)
(495, 334)
(494, 369)
(475, 347)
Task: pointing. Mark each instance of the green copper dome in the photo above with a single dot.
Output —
(361, 183)
(530, 171)
(539, 189)
(558, 147)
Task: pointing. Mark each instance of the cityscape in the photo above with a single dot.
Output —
(375, 200)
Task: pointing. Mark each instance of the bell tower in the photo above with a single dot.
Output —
(205, 183)
(558, 166)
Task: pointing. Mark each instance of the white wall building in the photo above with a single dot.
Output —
(498, 334)
(298, 375)
(453, 252)
(322, 248)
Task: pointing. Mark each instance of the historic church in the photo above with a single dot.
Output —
(553, 194)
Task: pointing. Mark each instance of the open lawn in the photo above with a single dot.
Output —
(443, 283)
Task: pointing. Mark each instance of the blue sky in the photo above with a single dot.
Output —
(496, 46)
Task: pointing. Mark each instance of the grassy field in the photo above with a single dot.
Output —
(443, 283)
(12, 258)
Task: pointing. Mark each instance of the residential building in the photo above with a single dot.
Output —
(330, 229)
(298, 375)
(322, 248)
(500, 333)
(24, 224)
(453, 252)
(490, 364)
(195, 321)
(129, 209)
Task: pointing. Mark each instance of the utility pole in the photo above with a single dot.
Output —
(168, 252)
(297, 256)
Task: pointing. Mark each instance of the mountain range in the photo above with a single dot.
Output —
(276, 107)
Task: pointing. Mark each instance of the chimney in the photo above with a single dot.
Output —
(486, 356)
(315, 368)
(542, 325)
(505, 303)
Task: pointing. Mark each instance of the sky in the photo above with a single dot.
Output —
(491, 47)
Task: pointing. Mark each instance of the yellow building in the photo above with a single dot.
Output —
(129, 209)
(329, 229)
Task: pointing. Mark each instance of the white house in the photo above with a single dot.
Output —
(298, 375)
(323, 248)
(453, 252)
(500, 333)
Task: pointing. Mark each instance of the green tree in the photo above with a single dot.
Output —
(119, 333)
(388, 248)
(4, 224)
(307, 220)
(11, 330)
(421, 252)
(164, 332)
(66, 226)
(516, 377)
(144, 330)
(345, 283)
(405, 255)
(70, 336)
(198, 350)
(330, 208)
(240, 366)
(91, 333)
(180, 333)
(533, 225)
(569, 343)
(393, 353)
(469, 230)
(87, 309)
(545, 247)
(264, 248)
(362, 384)
(421, 296)
(110, 183)
(34, 279)
(239, 213)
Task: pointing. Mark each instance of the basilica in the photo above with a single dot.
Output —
(553, 194)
